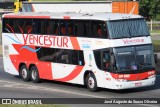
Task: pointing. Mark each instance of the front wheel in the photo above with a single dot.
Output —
(91, 82)
(34, 74)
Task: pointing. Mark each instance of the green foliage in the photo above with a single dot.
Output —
(150, 9)
(156, 45)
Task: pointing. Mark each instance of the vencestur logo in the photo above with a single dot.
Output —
(40, 40)
(133, 41)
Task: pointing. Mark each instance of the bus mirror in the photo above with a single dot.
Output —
(155, 58)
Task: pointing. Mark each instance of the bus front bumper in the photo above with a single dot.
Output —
(134, 84)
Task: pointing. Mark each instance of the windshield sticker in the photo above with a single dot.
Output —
(124, 53)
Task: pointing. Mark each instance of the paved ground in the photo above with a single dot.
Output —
(13, 87)
(0, 50)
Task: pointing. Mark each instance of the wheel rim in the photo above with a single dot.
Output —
(91, 82)
(34, 74)
(24, 73)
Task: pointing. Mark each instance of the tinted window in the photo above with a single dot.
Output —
(26, 25)
(38, 26)
(83, 28)
(99, 29)
(6, 28)
(64, 56)
(11, 25)
(52, 27)
(66, 27)
(127, 28)
(103, 59)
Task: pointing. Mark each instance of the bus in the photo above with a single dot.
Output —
(98, 50)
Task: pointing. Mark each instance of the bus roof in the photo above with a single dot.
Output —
(72, 15)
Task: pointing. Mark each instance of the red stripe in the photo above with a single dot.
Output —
(75, 43)
(72, 75)
(66, 17)
(33, 17)
(133, 77)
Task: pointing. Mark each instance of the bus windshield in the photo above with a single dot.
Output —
(134, 58)
(127, 28)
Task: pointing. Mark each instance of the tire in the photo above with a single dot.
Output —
(34, 74)
(91, 82)
(24, 73)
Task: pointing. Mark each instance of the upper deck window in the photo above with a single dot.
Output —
(99, 29)
(127, 28)
(82, 28)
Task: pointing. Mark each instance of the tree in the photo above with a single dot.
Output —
(150, 9)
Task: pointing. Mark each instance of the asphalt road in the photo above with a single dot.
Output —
(13, 87)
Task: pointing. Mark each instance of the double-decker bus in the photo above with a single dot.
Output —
(108, 50)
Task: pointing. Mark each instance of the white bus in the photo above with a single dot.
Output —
(97, 50)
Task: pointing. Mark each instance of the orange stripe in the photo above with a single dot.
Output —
(75, 43)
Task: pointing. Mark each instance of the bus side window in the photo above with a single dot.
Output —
(104, 30)
(98, 29)
(82, 28)
(48, 30)
(29, 27)
(38, 26)
(16, 24)
(103, 59)
(70, 28)
(63, 28)
(106, 59)
(67, 27)
(6, 29)
(79, 27)
(11, 25)
(23, 26)
(81, 58)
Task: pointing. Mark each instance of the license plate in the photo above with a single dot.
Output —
(138, 84)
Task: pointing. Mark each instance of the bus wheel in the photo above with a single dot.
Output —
(24, 73)
(34, 74)
(91, 82)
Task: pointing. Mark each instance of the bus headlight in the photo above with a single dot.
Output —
(152, 76)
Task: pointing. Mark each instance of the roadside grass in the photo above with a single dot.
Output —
(29, 105)
(155, 31)
(156, 45)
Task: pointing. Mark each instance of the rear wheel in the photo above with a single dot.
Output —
(24, 73)
(34, 74)
(91, 82)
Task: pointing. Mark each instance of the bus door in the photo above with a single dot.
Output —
(103, 62)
